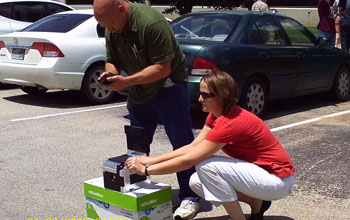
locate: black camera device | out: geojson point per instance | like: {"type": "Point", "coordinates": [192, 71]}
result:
{"type": "Point", "coordinates": [115, 177]}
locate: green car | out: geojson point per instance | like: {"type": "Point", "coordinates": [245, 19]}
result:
{"type": "Point", "coordinates": [271, 56]}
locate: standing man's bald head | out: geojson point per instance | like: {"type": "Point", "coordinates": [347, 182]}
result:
{"type": "Point", "coordinates": [112, 14]}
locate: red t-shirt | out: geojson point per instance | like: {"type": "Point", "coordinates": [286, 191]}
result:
{"type": "Point", "coordinates": [249, 139]}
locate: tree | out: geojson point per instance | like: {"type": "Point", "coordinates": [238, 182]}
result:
{"type": "Point", "coordinates": [185, 6]}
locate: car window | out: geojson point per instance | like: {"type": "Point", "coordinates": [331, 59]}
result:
{"type": "Point", "coordinates": [100, 31]}
{"type": "Point", "coordinates": [296, 33]}
{"type": "Point", "coordinates": [55, 8]}
{"type": "Point", "coordinates": [5, 10]}
{"type": "Point", "coordinates": [28, 11]}
{"type": "Point", "coordinates": [58, 23]}
{"type": "Point", "coordinates": [211, 27]}
{"type": "Point", "coordinates": [266, 32]}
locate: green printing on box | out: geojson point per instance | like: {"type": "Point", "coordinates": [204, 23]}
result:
{"type": "Point", "coordinates": [156, 196]}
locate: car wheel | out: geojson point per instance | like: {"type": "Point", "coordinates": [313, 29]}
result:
{"type": "Point", "coordinates": [341, 86]}
{"type": "Point", "coordinates": [254, 96]}
{"type": "Point", "coordinates": [91, 90]}
{"type": "Point", "coordinates": [32, 90]}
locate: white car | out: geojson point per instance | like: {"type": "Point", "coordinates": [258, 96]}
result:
{"type": "Point", "coordinates": [61, 51]}
{"type": "Point", "coordinates": [18, 14]}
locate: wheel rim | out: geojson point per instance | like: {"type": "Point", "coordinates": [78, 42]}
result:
{"type": "Point", "coordinates": [96, 89]}
{"type": "Point", "coordinates": [344, 84]}
{"type": "Point", "coordinates": [255, 99]}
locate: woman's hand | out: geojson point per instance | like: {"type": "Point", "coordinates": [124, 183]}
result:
{"type": "Point", "coordinates": [134, 164]}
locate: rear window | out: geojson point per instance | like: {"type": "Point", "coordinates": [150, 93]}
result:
{"type": "Point", "coordinates": [5, 10]}
{"type": "Point", "coordinates": [28, 11]}
{"type": "Point", "coordinates": [58, 23]}
{"type": "Point", "coordinates": [212, 27]}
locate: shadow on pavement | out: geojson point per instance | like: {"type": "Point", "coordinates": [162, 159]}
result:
{"type": "Point", "coordinates": [298, 104]}
{"type": "Point", "coordinates": [226, 217]}
{"type": "Point", "coordinates": [275, 109]}
{"type": "Point", "coordinates": [57, 99]}
{"type": "Point", "coordinates": [7, 86]}
{"type": "Point", "coordinates": [277, 218]}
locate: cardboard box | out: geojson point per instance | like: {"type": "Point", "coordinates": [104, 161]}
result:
{"type": "Point", "coordinates": [152, 202]}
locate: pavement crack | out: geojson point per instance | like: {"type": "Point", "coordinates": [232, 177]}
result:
{"type": "Point", "coordinates": [329, 158]}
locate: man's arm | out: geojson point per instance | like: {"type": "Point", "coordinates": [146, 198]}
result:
{"type": "Point", "coordinates": [109, 67]}
{"type": "Point", "coordinates": [149, 74]}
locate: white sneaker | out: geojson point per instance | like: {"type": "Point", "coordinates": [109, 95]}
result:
{"type": "Point", "coordinates": [187, 210]}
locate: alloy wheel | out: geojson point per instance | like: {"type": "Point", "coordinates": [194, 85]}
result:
{"type": "Point", "coordinates": [344, 84]}
{"type": "Point", "coordinates": [97, 90]}
{"type": "Point", "coordinates": [255, 99]}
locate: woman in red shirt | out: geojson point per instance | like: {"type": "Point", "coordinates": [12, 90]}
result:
{"type": "Point", "coordinates": [257, 168]}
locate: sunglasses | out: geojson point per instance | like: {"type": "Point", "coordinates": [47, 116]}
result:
{"type": "Point", "coordinates": [206, 95]}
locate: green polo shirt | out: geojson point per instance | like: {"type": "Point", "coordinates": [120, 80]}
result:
{"type": "Point", "coordinates": [148, 40]}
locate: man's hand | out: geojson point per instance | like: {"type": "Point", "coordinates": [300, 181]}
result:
{"type": "Point", "coordinates": [117, 82]}
{"type": "Point", "coordinates": [105, 75]}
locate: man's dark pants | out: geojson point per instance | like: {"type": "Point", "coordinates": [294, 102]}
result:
{"type": "Point", "coordinates": [171, 107]}
{"type": "Point", "coordinates": [345, 35]}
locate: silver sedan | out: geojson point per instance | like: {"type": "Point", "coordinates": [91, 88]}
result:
{"type": "Point", "coordinates": [61, 51]}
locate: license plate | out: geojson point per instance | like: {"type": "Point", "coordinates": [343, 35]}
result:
{"type": "Point", "coordinates": [17, 53]}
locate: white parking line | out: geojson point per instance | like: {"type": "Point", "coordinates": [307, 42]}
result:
{"type": "Point", "coordinates": [68, 113]}
{"type": "Point", "coordinates": [123, 105]}
{"type": "Point", "coordinates": [310, 120]}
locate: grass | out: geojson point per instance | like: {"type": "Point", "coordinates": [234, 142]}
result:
{"type": "Point", "coordinates": [313, 29]}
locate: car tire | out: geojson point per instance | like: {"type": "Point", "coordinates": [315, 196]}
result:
{"type": "Point", "coordinates": [341, 85]}
{"type": "Point", "coordinates": [254, 96]}
{"type": "Point", "coordinates": [91, 90]}
{"type": "Point", "coordinates": [32, 90]}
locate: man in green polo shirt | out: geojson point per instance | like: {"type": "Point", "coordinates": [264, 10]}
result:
{"type": "Point", "coordinates": [140, 42]}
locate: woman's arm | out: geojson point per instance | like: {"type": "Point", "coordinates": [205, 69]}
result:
{"type": "Point", "coordinates": [199, 150]}
{"type": "Point", "coordinates": [178, 152]}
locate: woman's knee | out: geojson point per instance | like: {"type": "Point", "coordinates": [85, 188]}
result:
{"type": "Point", "coordinates": [194, 182]}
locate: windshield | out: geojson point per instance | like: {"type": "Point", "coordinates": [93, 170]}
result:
{"type": "Point", "coordinates": [212, 27]}
{"type": "Point", "coordinates": [58, 23]}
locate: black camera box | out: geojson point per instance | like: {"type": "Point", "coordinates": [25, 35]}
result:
{"type": "Point", "coordinates": [114, 176]}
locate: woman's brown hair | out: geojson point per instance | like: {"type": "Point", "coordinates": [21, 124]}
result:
{"type": "Point", "coordinates": [224, 87]}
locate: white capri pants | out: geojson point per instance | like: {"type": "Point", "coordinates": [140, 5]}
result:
{"type": "Point", "coordinates": [218, 179]}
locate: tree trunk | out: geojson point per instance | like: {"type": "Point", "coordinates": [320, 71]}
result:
{"type": "Point", "coordinates": [148, 2]}
{"type": "Point", "coordinates": [184, 7]}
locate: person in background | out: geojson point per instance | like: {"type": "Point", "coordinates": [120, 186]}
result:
{"type": "Point", "coordinates": [256, 169]}
{"type": "Point", "coordinates": [260, 5]}
{"type": "Point", "coordinates": [335, 13]}
{"type": "Point", "coordinates": [140, 42]}
{"type": "Point", "coordinates": [326, 25]}
{"type": "Point", "coordinates": [344, 17]}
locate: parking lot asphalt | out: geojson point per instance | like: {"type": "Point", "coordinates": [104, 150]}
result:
{"type": "Point", "coordinates": [49, 145]}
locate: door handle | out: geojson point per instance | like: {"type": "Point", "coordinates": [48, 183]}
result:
{"type": "Point", "coordinates": [300, 55]}
{"type": "Point", "coordinates": [263, 55]}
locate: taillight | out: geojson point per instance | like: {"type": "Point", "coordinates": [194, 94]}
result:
{"type": "Point", "coordinates": [2, 44]}
{"type": "Point", "coordinates": [202, 66]}
{"type": "Point", "coordinates": [47, 49]}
